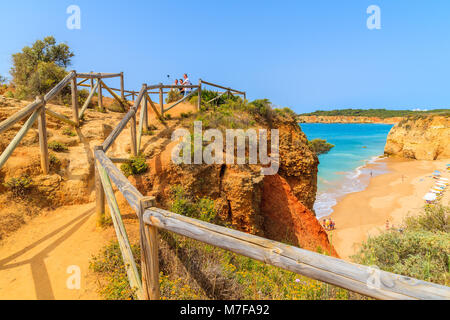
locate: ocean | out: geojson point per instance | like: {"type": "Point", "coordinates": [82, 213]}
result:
{"type": "Point", "coordinates": [342, 170]}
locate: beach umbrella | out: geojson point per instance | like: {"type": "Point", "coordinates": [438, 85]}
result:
{"type": "Point", "coordinates": [437, 173]}
{"type": "Point", "coordinates": [430, 197]}
{"type": "Point", "coordinates": [441, 184]}
{"type": "Point", "coordinates": [434, 191]}
{"type": "Point", "coordinates": [443, 179]}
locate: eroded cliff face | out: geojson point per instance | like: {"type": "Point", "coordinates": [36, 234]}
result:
{"type": "Point", "coordinates": [348, 119]}
{"type": "Point", "coordinates": [278, 207]}
{"type": "Point", "coordinates": [421, 138]}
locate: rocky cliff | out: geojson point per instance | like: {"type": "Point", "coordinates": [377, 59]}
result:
{"type": "Point", "coordinates": [347, 119]}
{"type": "Point", "coordinates": [278, 207]}
{"type": "Point", "coordinates": [421, 138]}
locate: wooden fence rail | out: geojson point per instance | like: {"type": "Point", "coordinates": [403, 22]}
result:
{"type": "Point", "coordinates": [366, 280]}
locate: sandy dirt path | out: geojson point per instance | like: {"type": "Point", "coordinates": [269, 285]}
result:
{"type": "Point", "coordinates": [34, 261]}
{"type": "Point", "coordinates": [389, 197]}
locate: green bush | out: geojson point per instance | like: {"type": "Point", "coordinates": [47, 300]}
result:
{"type": "Point", "coordinates": [110, 263]}
{"type": "Point", "coordinates": [19, 187]}
{"type": "Point", "coordinates": [54, 162]}
{"type": "Point", "coordinates": [69, 132]}
{"type": "Point", "coordinates": [38, 68]}
{"type": "Point", "coordinates": [320, 146]}
{"type": "Point", "coordinates": [182, 203]}
{"type": "Point", "coordinates": [421, 250]}
{"type": "Point", "coordinates": [174, 95]}
{"type": "Point", "coordinates": [135, 166]}
{"type": "Point", "coordinates": [58, 146]}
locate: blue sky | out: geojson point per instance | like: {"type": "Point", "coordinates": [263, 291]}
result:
{"type": "Point", "coordinates": [307, 55]}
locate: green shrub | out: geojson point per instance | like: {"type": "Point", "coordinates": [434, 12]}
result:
{"type": "Point", "coordinates": [202, 209]}
{"type": "Point", "coordinates": [421, 250]}
{"type": "Point", "coordinates": [320, 146]}
{"type": "Point", "coordinates": [69, 132]}
{"type": "Point", "coordinates": [58, 146]}
{"type": "Point", "coordinates": [19, 187]}
{"type": "Point", "coordinates": [135, 166]}
{"type": "Point", "coordinates": [174, 95]}
{"type": "Point", "coordinates": [38, 68]}
{"type": "Point", "coordinates": [110, 264]}
{"type": "Point", "coordinates": [54, 162]}
{"type": "Point", "coordinates": [116, 107]}
{"type": "Point", "coordinates": [184, 115]}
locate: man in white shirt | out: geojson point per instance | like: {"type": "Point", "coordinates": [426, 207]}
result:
{"type": "Point", "coordinates": [186, 82]}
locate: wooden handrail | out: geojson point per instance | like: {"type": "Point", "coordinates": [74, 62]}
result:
{"type": "Point", "coordinates": [23, 113]}
{"type": "Point", "coordinates": [222, 87]}
{"type": "Point", "coordinates": [182, 100]}
{"type": "Point", "coordinates": [98, 75]}
{"type": "Point", "coordinates": [18, 137]}
{"type": "Point", "coordinates": [131, 113]}
{"type": "Point", "coordinates": [56, 89]}
{"type": "Point", "coordinates": [313, 265]}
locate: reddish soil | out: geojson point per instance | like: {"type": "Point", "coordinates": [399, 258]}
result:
{"type": "Point", "coordinates": [286, 219]}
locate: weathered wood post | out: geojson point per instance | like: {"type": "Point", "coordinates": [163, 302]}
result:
{"type": "Point", "coordinates": [199, 104]}
{"type": "Point", "coordinates": [145, 110]}
{"type": "Point", "coordinates": [161, 99]}
{"type": "Point", "coordinates": [92, 82]}
{"type": "Point", "coordinates": [99, 192]}
{"type": "Point", "coordinates": [122, 87]}
{"type": "Point", "coordinates": [149, 253]}
{"type": "Point", "coordinates": [42, 127]}
{"type": "Point", "coordinates": [74, 88]}
{"type": "Point", "coordinates": [100, 96]}
{"type": "Point", "coordinates": [134, 150]}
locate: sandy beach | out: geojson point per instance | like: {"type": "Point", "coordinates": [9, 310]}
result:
{"type": "Point", "coordinates": [389, 197]}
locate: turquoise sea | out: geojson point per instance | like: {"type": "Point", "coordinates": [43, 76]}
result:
{"type": "Point", "coordinates": [342, 170]}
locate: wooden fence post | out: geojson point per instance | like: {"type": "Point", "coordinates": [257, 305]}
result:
{"type": "Point", "coordinates": [122, 87]}
{"type": "Point", "coordinates": [99, 192]}
{"type": "Point", "coordinates": [149, 253]}
{"type": "Point", "coordinates": [75, 101]}
{"type": "Point", "coordinates": [42, 127]}
{"type": "Point", "coordinates": [145, 110]}
{"type": "Point", "coordinates": [134, 150]}
{"type": "Point", "coordinates": [92, 82]}
{"type": "Point", "coordinates": [100, 96]}
{"type": "Point", "coordinates": [161, 99]}
{"type": "Point", "coordinates": [199, 104]}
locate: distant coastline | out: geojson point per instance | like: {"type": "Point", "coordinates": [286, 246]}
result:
{"type": "Point", "coordinates": [348, 119]}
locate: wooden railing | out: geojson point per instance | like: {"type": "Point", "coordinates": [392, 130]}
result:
{"type": "Point", "coordinates": [197, 90]}
{"type": "Point", "coordinates": [358, 278]}
{"type": "Point", "coordinates": [365, 280]}
{"type": "Point", "coordinates": [38, 109]}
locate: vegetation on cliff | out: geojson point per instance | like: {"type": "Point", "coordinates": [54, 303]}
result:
{"type": "Point", "coordinates": [378, 113]}
{"type": "Point", "coordinates": [320, 146]}
{"type": "Point", "coordinates": [422, 137]}
{"type": "Point", "coordinates": [421, 250]}
{"type": "Point", "coordinates": [191, 270]}
{"type": "Point", "coordinates": [38, 68]}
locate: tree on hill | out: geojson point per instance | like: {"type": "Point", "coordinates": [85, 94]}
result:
{"type": "Point", "coordinates": [320, 146]}
{"type": "Point", "coordinates": [38, 68]}
{"type": "Point", "coordinates": [3, 80]}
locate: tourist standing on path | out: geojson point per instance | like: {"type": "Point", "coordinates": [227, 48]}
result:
{"type": "Point", "coordinates": [186, 82]}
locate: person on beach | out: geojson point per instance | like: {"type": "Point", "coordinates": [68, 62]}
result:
{"type": "Point", "coordinates": [186, 82]}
